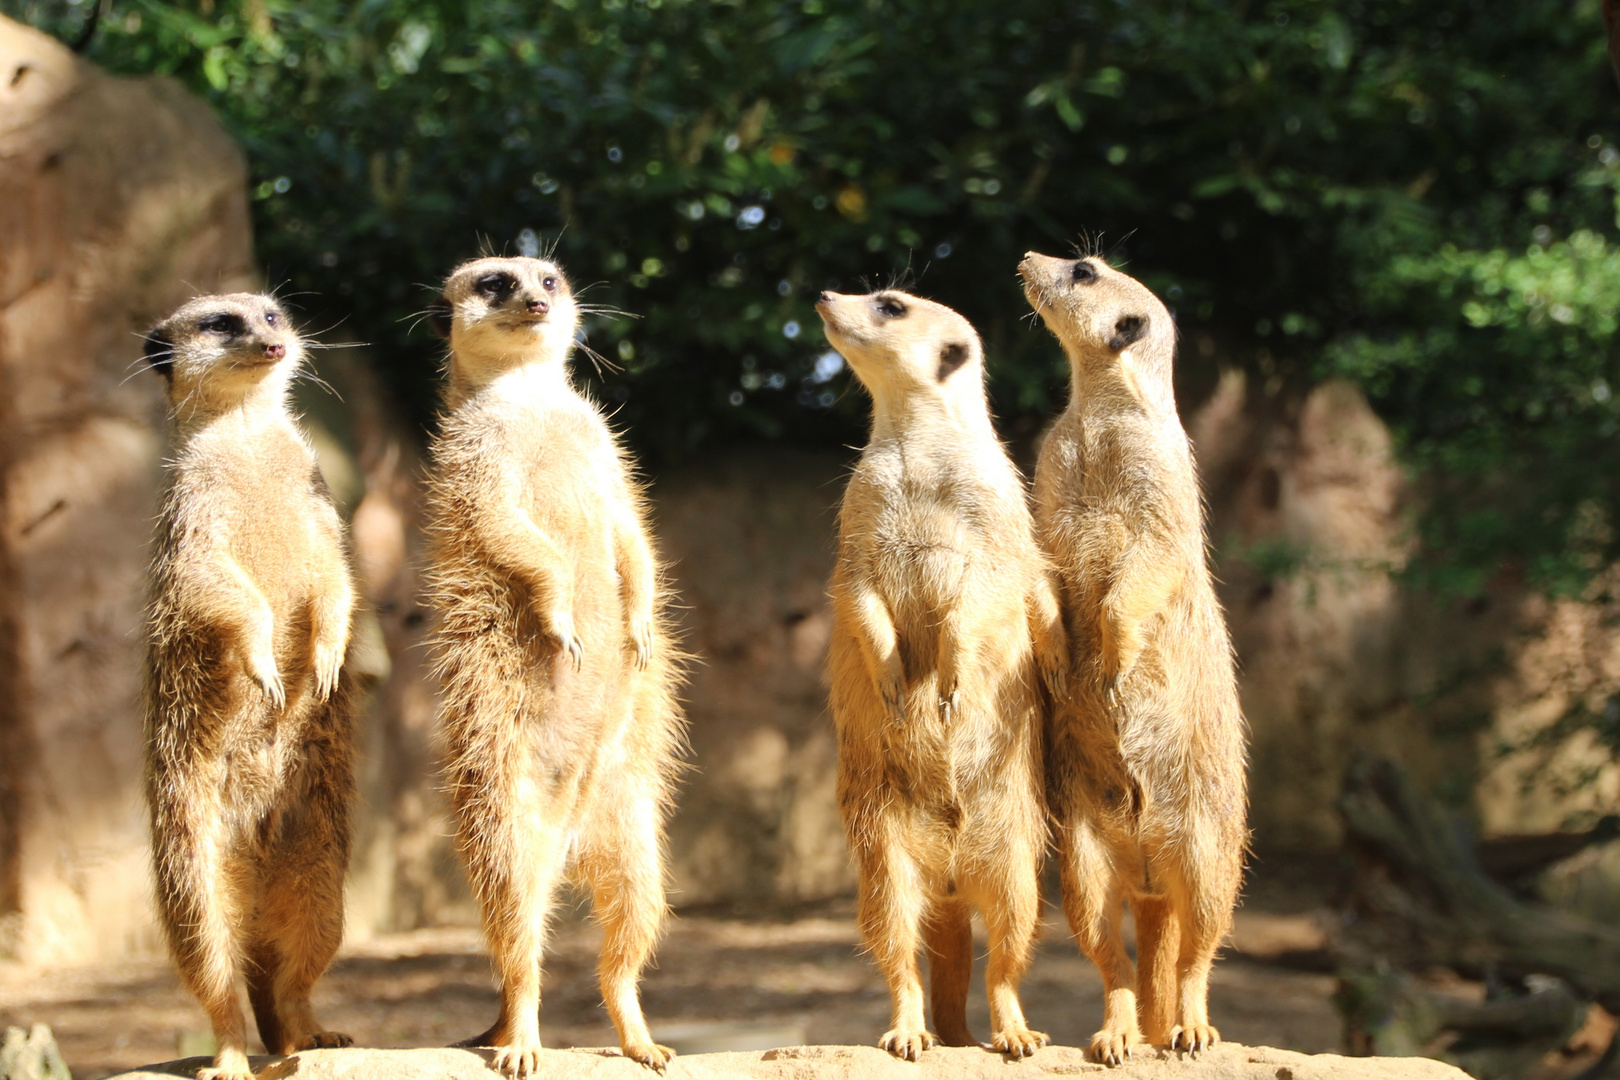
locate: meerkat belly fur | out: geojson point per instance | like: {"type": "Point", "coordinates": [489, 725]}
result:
{"type": "Point", "coordinates": [558, 671]}
{"type": "Point", "coordinates": [1146, 755]}
{"type": "Point", "coordinates": [945, 617]}
{"type": "Point", "coordinates": [249, 711]}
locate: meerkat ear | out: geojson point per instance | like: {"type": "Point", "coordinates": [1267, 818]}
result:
{"type": "Point", "coordinates": [158, 352]}
{"type": "Point", "coordinates": [439, 316]}
{"type": "Point", "coordinates": [951, 357]}
{"type": "Point", "coordinates": [1128, 331]}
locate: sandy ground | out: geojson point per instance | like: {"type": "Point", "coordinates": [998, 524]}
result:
{"type": "Point", "coordinates": [724, 981]}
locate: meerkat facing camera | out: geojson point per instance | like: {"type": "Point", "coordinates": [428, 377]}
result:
{"type": "Point", "coordinates": [249, 710]}
{"type": "Point", "coordinates": [945, 618]}
{"type": "Point", "coordinates": [554, 651]}
{"type": "Point", "coordinates": [1146, 755]}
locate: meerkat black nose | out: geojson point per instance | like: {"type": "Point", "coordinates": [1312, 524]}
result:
{"type": "Point", "coordinates": [825, 297]}
{"type": "Point", "coordinates": [538, 307]}
{"type": "Point", "coordinates": [275, 352]}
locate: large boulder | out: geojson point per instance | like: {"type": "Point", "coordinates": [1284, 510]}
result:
{"type": "Point", "coordinates": [1227, 1061]}
{"type": "Point", "coordinates": [119, 198]}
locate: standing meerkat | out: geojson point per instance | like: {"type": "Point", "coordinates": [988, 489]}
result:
{"type": "Point", "coordinates": [249, 709]}
{"type": "Point", "coordinates": [561, 728]}
{"type": "Point", "coordinates": [944, 620]}
{"type": "Point", "coordinates": [1146, 755]}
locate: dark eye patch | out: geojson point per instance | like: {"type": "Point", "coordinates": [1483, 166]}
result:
{"type": "Point", "coordinates": [224, 323]}
{"type": "Point", "coordinates": [550, 284]}
{"type": "Point", "coordinates": [890, 307]}
{"type": "Point", "coordinates": [951, 357]}
{"type": "Point", "coordinates": [1084, 273]}
{"type": "Point", "coordinates": [272, 318]}
{"type": "Point", "coordinates": [495, 286]}
{"type": "Point", "coordinates": [1127, 331]}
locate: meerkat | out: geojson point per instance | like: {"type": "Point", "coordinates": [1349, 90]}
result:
{"type": "Point", "coordinates": [945, 621]}
{"type": "Point", "coordinates": [249, 707]}
{"type": "Point", "coordinates": [1146, 771]}
{"type": "Point", "coordinates": [558, 668]}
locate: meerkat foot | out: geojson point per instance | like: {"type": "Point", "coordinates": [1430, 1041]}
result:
{"type": "Point", "coordinates": [650, 1054]}
{"type": "Point", "coordinates": [326, 1040]}
{"type": "Point", "coordinates": [1018, 1042]}
{"type": "Point", "coordinates": [228, 1065]}
{"type": "Point", "coordinates": [1194, 1037]}
{"type": "Point", "coordinates": [908, 1044]}
{"type": "Point", "coordinates": [1113, 1047]}
{"type": "Point", "coordinates": [520, 1059]}
{"type": "Point", "coordinates": [1055, 673]}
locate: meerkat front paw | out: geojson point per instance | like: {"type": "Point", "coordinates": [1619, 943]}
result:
{"type": "Point", "coordinates": [908, 1044]}
{"type": "Point", "coordinates": [1018, 1041]}
{"type": "Point", "coordinates": [261, 663]}
{"type": "Point", "coordinates": [641, 640]}
{"type": "Point", "coordinates": [950, 704]}
{"type": "Point", "coordinates": [328, 666]}
{"type": "Point", "coordinates": [650, 1054]}
{"type": "Point", "coordinates": [1053, 661]}
{"type": "Point", "coordinates": [1194, 1037]}
{"type": "Point", "coordinates": [893, 695]}
{"type": "Point", "coordinates": [561, 624]}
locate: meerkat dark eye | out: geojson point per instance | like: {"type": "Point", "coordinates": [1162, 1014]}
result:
{"type": "Point", "coordinates": [550, 283]}
{"type": "Point", "coordinates": [271, 317]}
{"type": "Point", "coordinates": [494, 286]}
{"type": "Point", "coordinates": [1084, 273]}
{"type": "Point", "coordinates": [891, 308]}
{"type": "Point", "coordinates": [228, 325]}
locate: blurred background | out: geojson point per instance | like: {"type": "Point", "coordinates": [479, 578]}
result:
{"type": "Point", "coordinates": [1386, 229]}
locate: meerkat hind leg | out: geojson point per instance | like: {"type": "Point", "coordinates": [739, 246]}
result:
{"type": "Point", "coordinates": [1202, 908]}
{"type": "Point", "coordinates": [198, 902]}
{"type": "Point", "coordinates": [890, 914]}
{"type": "Point", "coordinates": [1094, 906]}
{"type": "Point", "coordinates": [1009, 896]}
{"type": "Point", "coordinates": [1157, 948]}
{"type": "Point", "coordinates": [948, 932]}
{"type": "Point", "coordinates": [515, 870]}
{"type": "Point", "coordinates": [624, 866]}
{"type": "Point", "coordinates": [300, 912]}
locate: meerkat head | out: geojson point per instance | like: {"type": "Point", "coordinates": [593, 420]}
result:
{"type": "Point", "coordinates": [217, 351]}
{"type": "Point", "coordinates": [901, 346]}
{"type": "Point", "coordinates": [500, 314]}
{"type": "Point", "coordinates": [1099, 313]}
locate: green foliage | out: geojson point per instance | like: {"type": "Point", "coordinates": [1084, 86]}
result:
{"type": "Point", "coordinates": [1414, 193]}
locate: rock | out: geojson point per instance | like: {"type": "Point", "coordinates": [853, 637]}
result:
{"type": "Point", "coordinates": [31, 1055]}
{"type": "Point", "coordinates": [1228, 1061]}
{"type": "Point", "coordinates": [119, 198]}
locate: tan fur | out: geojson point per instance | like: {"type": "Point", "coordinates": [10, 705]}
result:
{"type": "Point", "coordinates": [1146, 755]}
{"type": "Point", "coordinates": [941, 602]}
{"type": "Point", "coordinates": [249, 710]}
{"type": "Point", "coordinates": [561, 729]}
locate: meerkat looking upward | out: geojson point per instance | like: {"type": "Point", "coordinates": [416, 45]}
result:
{"type": "Point", "coordinates": [944, 619]}
{"type": "Point", "coordinates": [558, 713]}
{"type": "Point", "coordinates": [1145, 757]}
{"type": "Point", "coordinates": [249, 711]}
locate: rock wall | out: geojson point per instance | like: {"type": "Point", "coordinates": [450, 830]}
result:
{"type": "Point", "coordinates": [117, 197]}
